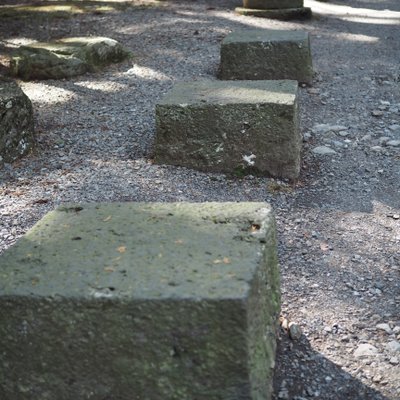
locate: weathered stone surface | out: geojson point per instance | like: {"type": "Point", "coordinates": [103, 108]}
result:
{"type": "Point", "coordinates": [66, 57]}
{"type": "Point", "coordinates": [281, 14]}
{"type": "Point", "coordinates": [272, 4]}
{"type": "Point", "coordinates": [155, 301]}
{"type": "Point", "coordinates": [233, 126]}
{"type": "Point", "coordinates": [266, 54]}
{"type": "Point", "coordinates": [16, 122]}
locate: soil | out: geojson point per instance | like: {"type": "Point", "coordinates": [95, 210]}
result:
{"type": "Point", "coordinates": [339, 224]}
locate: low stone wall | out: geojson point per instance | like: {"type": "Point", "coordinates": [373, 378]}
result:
{"type": "Point", "coordinates": [16, 122]}
{"type": "Point", "coordinates": [235, 127]}
{"type": "Point", "coordinates": [148, 301]}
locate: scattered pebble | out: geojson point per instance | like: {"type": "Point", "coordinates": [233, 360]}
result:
{"type": "Point", "coordinates": [365, 350]}
{"type": "Point", "coordinates": [323, 150]}
{"type": "Point", "coordinates": [393, 346]}
{"type": "Point", "coordinates": [384, 327]}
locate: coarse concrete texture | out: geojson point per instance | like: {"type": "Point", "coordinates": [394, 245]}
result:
{"type": "Point", "coordinates": [272, 4]}
{"type": "Point", "coordinates": [153, 301]}
{"type": "Point", "coordinates": [235, 127]}
{"type": "Point", "coordinates": [16, 122]}
{"type": "Point", "coordinates": [283, 14]}
{"type": "Point", "coordinates": [65, 58]}
{"type": "Point", "coordinates": [266, 54]}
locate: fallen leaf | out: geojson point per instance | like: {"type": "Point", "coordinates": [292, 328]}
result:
{"type": "Point", "coordinates": [121, 249]}
{"type": "Point", "coordinates": [225, 260]}
{"type": "Point", "coordinates": [41, 201]}
{"type": "Point", "coordinates": [107, 219]}
{"type": "Point", "coordinates": [255, 227]}
{"type": "Point", "coordinates": [324, 246]}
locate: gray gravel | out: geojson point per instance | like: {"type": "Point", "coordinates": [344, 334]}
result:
{"type": "Point", "coordinates": [339, 224]}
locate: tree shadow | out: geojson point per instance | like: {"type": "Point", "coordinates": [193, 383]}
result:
{"type": "Point", "coordinates": [315, 376]}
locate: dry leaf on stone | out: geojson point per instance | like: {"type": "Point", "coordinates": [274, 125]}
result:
{"type": "Point", "coordinates": [121, 249]}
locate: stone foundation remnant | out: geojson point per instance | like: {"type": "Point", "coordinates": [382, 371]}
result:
{"type": "Point", "coordinates": [275, 9]}
{"type": "Point", "coordinates": [266, 54]}
{"type": "Point", "coordinates": [65, 58]}
{"type": "Point", "coordinates": [149, 301]}
{"type": "Point", "coordinates": [235, 127]}
{"type": "Point", "coordinates": [16, 122]}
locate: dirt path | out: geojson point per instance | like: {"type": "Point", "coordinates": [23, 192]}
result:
{"type": "Point", "coordinates": [339, 228]}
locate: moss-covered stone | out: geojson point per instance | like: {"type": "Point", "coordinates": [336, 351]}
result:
{"type": "Point", "coordinates": [272, 4]}
{"type": "Point", "coordinates": [16, 122]}
{"type": "Point", "coordinates": [231, 127]}
{"type": "Point", "coordinates": [267, 54]}
{"type": "Point", "coordinates": [66, 57]}
{"type": "Point", "coordinates": [158, 301]}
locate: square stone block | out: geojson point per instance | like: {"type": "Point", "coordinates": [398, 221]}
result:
{"type": "Point", "coordinates": [272, 4]}
{"type": "Point", "coordinates": [284, 14]}
{"type": "Point", "coordinates": [266, 54]}
{"type": "Point", "coordinates": [235, 127]}
{"type": "Point", "coordinates": [141, 301]}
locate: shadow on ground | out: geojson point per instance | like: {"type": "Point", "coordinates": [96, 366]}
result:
{"type": "Point", "coordinates": [314, 375]}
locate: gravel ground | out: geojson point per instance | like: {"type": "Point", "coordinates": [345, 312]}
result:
{"type": "Point", "coordinates": [339, 224]}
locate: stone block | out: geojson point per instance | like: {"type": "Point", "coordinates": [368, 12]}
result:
{"type": "Point", "coordinates": [266, 54]}
{"type": "Point", "coordinates": [272, 4]}
{"type": "Point", "coordinates": [235, 127]}
{"type": "Point", "coordinates": [16, 122]}
{"type": "Point", "coordinates": [152, 301]}
{"type": "Point", "coordinates": [283, 14]}
{"type": "Point", "coordinates": [65, 58]}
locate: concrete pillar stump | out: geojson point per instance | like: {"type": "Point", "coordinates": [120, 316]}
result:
{"type": "Point", "coordinates": [141, 301]}
{"type": "Point", "coordinates": [260, 54]}
{"type": "Point", "coordinates": [235, 127]}
{"type": "Point", "coordinates": [275, 9]}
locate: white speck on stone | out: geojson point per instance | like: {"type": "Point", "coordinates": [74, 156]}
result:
{"type": "Point", "coordinates": [219, 148]}
{"type": "Point", "coordinates": [323, 150]}
{"type": "Point", "coordinates": [249, 159]}
{"type": "Point", "coordinates": [365, 350]}
{"type": "Point", "coordinates": [97, 294]}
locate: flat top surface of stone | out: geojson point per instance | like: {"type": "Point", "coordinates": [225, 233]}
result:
{"type": "Point", "coordinates": [232, 92]}
{"type": "Point", "coordinates": [264, 35]}
{"type": "Point", "coordinates": [138, 250]}
{"type": "Point", "coordinates": [68, 45]}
